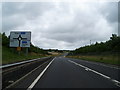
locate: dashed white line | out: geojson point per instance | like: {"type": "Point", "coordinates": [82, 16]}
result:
{"type": "Point", "coordinates": [41, 74]}
{"type": "Point", "coordinates": [105, 76]}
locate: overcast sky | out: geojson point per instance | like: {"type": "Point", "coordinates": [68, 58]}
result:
{"type": "Point", "coordinates": [62, 25]}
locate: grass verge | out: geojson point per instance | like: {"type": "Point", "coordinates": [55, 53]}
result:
{"type": "Point", "coordinates": [8, 56]}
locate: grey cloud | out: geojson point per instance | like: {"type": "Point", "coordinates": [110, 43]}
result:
{"type": "Point", "coordinates": [118, 28]}
{"type": "Point", "coordinates": [11, 23]}
{"type": "Point", "coordinates": [119, 18]}
{"type": "Point", "coordinates": [80, 27]}
{"type": "Point", "coordinates": [110, 11]}
{"type": "Point", "coordinates": [0, 17]}
{"type": "Point", "coordinates": [17, 13]}
{"type": "Point", "coordinates": [62, 25]}
{"type": "Point", "coordinates": [31, 9]}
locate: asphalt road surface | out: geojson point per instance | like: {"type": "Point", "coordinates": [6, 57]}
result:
{"type": "Point", "coordinates": [64, 72]}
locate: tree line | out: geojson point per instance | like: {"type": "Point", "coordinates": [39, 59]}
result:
{"type": "Point", "coordinates": [112, 45]}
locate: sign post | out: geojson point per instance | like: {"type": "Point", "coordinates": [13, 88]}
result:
{"type": "Point", "coordinates": [19, 49]}
{"type": "Point", "coordinates": [26, 51]}
{"type": "Point", "coordinates": [20, 39]}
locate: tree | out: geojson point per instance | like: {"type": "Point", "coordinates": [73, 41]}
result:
{"type": "Point", "coordinates": [114, 36]}
{"type": "Point", "coordinates": [5, 40]}
{"type": "Point", "coordinates": [111, 45]}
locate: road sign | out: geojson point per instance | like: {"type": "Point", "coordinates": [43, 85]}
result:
{"type": "Point", "coordinates": [20, 38]}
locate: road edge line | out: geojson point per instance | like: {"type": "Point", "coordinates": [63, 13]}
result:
{"type": "Point", "coordinates": [100, 63]}
{"type": "Point", "coordinates": [96, 72]}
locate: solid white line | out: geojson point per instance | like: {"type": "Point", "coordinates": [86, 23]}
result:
{"type": "Point", "coordinates": [100, 74]}
{"type": "Point", "coordinates": [36, 80]}
{"type": "Point", "coordinates": [116, 81]}
{"type": "Point", "coordinates": [88, 69]}
{"type": "Point", "coordinates": [18, 63]}
{"type": "Point", "coordinates": [109, 66]}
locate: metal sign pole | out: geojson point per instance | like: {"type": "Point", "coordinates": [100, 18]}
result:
{"type": "Point", "coordinates": [26, 51]}
{"type": "Point", "coordinates": [19, 53]}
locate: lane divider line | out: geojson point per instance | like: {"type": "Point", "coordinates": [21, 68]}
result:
{"type": "Point", "coordinates": [41, 74]}
{"type": "Point", "coordinates": [88, 69]}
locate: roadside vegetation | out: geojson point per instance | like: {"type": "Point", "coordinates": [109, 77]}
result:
{"type": "Point", "coordinates": [11, 55]}
{"type": "Point", "coordinates": [105, 52]}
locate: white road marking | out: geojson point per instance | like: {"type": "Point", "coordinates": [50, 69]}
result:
{"type": "Point", "coordinates": [88, 69]}
{"type": "Point", "coordinates": [41, 74]}
{"type": "Point", "coordinates": [25, 76]}
{"type": "Point", "coordinates": [114, 67]}
{"type": "Point", "coordinates": [109, 66]}
{"type": "Point", "coordinates": [18, 63]}
{"type": "Point", "coordinates": [117, 84]}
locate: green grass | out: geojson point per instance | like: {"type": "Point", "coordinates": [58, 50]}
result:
{"type": "Point", "coordinates": [107, 59]}
{"type": "Point", "coordinates": [9, 56]}
{"type": "Point", "coordinates": [0, 54]}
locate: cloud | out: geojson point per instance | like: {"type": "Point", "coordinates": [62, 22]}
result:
{"type": "Point", "coordinates": [16, 14]}
{"type": "Point", "coordinates": [110, 11]}
{"type": "Point", "coordinates": [0, 16]}
{"type": "Point", "coordinates": [119, 18]}
{"type": "Point", "coordinates": [62, 25]}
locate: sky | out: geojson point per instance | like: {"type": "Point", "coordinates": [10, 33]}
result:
{"type": "Point", "coordinates": [62, 25]}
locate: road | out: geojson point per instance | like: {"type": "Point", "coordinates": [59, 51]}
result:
{"type": "Point", "coordinates": [72, 73]}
